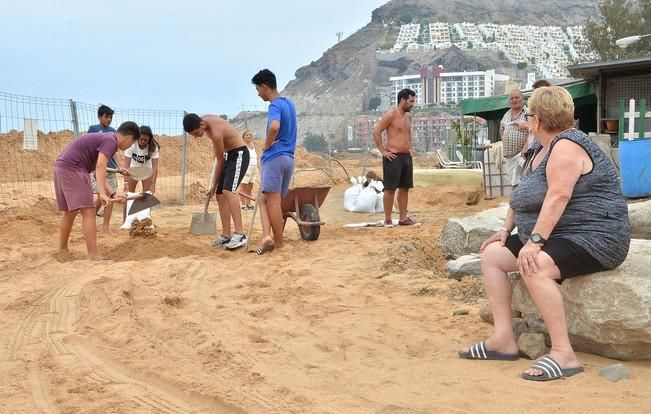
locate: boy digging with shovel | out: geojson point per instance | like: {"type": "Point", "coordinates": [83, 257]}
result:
{"type": "Point", "coordinates": [232, 160]}
{"type": "Point", "coordinates": [72, 183]}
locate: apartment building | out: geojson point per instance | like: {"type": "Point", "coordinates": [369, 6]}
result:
{"type": "Point", "coordinates": [439, 35]}
{"type": "Point", "coordinates": [435, 86]}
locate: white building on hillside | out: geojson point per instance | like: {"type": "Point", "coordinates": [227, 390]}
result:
{"type": "Point", "coordinates": [409, 33]}
{"type": "Point", "coordinates": [439, 35]}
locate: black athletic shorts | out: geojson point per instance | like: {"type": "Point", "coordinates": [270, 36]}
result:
{"type": "Point", "coordinates": [572, 259]}
{"type": "Point", "coordinates": [399, 172]}
{"type": "Point", "coordinates": [236, 161]}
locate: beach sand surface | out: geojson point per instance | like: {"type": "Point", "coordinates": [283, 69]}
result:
{"type": "Point", "coordinates": [359, 321]}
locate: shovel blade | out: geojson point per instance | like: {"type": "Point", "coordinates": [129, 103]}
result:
{"type": "Point", "coordinates": [203, 223]}
{"type": "Point", "coordinates": [139, 204]}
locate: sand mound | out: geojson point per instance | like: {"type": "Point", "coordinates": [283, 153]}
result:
{"type": "Point", "coordinates": [196, 192]}
{"type": "Point", "coordinates": [403, 254]}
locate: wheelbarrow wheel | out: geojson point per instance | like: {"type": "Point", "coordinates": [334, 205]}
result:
{"type": "Point", "coordinates": [309, 213]}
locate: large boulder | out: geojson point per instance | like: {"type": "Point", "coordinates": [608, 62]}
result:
{"type": "Point", "coordinates": [608, 313]}
{"type": "Point", "coordinates": [639, 214]}
{"type": "Point", "coordinates": [463, 236]}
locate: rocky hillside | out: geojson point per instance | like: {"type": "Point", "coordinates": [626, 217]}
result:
{"type": "Point", "coordinates": [330, 91]}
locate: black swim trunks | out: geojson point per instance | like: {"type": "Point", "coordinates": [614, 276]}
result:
{"type": "Point", "coordinates": [399, 172]}
{"type": "Point", "coordinates": [236, 162]}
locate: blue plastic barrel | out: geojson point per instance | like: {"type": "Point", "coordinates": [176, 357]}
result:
{"type": "Point", "coordinates": [635, 167]}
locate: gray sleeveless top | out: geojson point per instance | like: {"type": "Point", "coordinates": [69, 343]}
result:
{"type": "Point", "coordinates": [596, 216]}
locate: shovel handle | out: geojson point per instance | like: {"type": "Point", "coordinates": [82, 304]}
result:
{"type": "Point", "coordinates": [131, 197]}
{"type": "Point", "coordinates": [212, 182]}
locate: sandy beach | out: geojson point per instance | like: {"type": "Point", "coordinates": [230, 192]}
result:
{"type": "Point", "coordinates": [360, 321]}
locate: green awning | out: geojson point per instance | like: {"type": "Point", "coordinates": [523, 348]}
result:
{"type": "Point", "coordinates": [494, 107]}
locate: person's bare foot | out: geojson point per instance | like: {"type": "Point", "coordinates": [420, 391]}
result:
{"type": "Point", "coordinates": [106, 230]}
{"type": "Point", "coordinates": [266, 245]}
{"type": "Point", "coordinates": [96, 257]}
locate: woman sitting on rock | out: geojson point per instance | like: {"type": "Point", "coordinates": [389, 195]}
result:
{"type": "Point", "coordinates": [572, 220]}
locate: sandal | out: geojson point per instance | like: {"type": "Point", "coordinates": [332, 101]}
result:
{"type": "Point", "coordinates": [551, 370]}
{"type": "Point", "coordinates": [265, 248]}
{"type": "Point", "coordinates": [478, 351]}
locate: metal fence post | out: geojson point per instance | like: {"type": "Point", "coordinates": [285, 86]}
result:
{"type": "Point", "coordinates": [74, 117]}
{"type": "Point", "coordinates": [368, 148]}
{"type": "Point", "coordinates": [184, 154]}
{"type": "Point", "coordinates": [328, 140]}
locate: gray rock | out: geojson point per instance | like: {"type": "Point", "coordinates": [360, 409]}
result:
{"type": "Point", "coordinates": [469, 265]}
{"type": "Point", "coordinates": [487, 316]}
{"type": "Point", "coordinates": [608, 313]}
{"type": "Point", "coordinates": [485, 311]}
{"type": "Point", "coordinates": [460, 312]}
{"type": "Point", "coordinates": [532, 345]}
{"type": "Point", "coordinates": [615, 373]}
{"type": "Point", "coordinates": [519, 327]}
{"type": "Point", "coordinates": [639, 215]}
{"type": "Point", "coordinates": [464, 236]}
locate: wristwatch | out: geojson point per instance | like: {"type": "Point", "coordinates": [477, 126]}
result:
{"type": "Point", "coordinates": [538, 239]}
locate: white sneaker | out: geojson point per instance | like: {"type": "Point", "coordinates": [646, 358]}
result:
{"type": "Point", "coordinates": [222, 241]}
{"type": "Point", "coordinates": [237, 240]}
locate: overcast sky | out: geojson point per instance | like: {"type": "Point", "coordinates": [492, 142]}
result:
{"type": "Point", "coordinates": [194, 55]}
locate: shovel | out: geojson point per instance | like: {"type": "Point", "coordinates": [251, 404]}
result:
{"type": "Point", "coordinates": [204, 222]}
{"type": "Point", "coordinates": [137, 173]}
{"type": "Point", "coordinates": [140, 202]}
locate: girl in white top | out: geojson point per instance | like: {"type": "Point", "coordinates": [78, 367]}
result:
{"type": "Point", "coordinates": [246, 187]}
{"type": "Point", "coordinates": [143, 153]}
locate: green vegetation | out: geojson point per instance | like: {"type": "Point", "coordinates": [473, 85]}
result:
{"type": "Point", "coordinates": [521, 65]}
{"type": "Point", "coordinates": [620, 18]}
{"type": "Point", "coordinates": [374, 103]}
{"type": "Point", "coordinates": [315, 143]}
{"type": "Point", "coordinates": [405, 18]}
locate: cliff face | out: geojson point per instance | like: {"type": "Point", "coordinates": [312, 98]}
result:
{"type": "Point", "coordinates": [541, 12]}
{"type": "Point", "coordinates": [339, 84]}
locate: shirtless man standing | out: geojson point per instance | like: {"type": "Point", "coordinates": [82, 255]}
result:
{"type": "Point", "coordinates": [396, 156]}
{"type": "Point", "coordinates": [232, 158]}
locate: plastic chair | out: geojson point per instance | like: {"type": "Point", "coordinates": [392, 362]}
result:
{"type": "Point", "coordinates": [472, 164]}
{"type": "Point", "coordinates": [445, 162]}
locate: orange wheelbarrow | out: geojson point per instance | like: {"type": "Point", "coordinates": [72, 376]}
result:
{"type": "Point", "coordinates": [301, 204]}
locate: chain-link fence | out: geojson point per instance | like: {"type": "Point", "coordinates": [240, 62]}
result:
{"type": "Point", "coordinates": [34, 131]}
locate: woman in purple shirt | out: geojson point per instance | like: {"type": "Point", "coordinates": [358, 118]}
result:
{"type": "Point", "coordinates": [72, 183]}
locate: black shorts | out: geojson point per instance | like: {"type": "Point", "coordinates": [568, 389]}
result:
{"type": "Point", "coordinates": [572, 259]}
{"type": "Point", "coordinates": [398, 173]}
{"type": "Point", "coordinates": [236, 161]}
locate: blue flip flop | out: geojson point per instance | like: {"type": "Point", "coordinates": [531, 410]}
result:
{"type": "Point", "coordinates": [478, 351]}
{"type": "Point", "coordinates": [551, 370]}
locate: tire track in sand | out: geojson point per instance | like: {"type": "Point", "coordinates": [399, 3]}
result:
{"type": "Point", "coordinates": [49, 325]}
